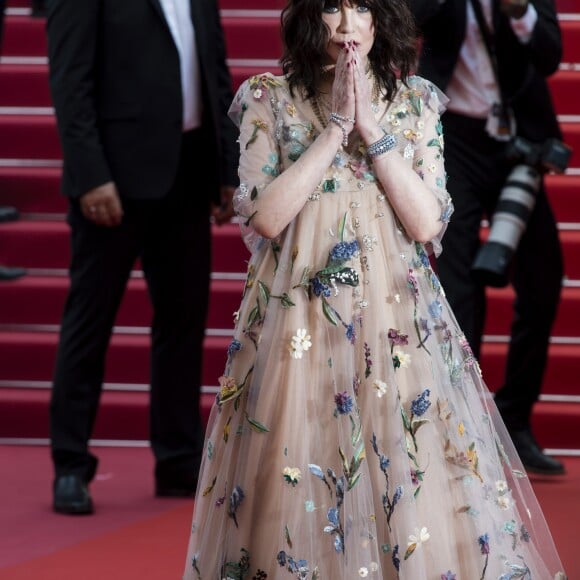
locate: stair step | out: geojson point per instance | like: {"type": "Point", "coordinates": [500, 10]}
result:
{"type": "Point", "coordinates": [29, 356]}
{"type": "Point", "coordinates": [121, 416]}
{"type": "Point", "coordinates": [26, 85]}
{"type": "Point", "coordinates": [33, 189]}
{"type": "Point", "coordinates": [45, 245]}
{"type": "Point", "coordinates": [125, 416]}
{"type": "Point", "coordinates": [564, 87]}
{"type": "Point", "coordinates": [29, 137]}
{"type": "Point", "coordinates": [36, 137]}
{"type": "Point", "coordinates": [38, 300]}
{"type": "Point", "coordinates": [253, 37]}
{"type": "Point", "coordinates": [37, 190]}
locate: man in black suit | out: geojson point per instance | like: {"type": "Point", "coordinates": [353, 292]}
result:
{"type": "Point", "coordinates": [527, 43]}
{"type": "Point", "coordinates": [141, 90]}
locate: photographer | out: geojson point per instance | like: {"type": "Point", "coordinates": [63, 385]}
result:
{"type": "Point", "coordinates": [491, 57]}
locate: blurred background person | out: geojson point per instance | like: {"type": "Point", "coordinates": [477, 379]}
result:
{"type": "Point", "coordinates": [141, 92]}
{"type": "Point", "coordinates": [491, 58]}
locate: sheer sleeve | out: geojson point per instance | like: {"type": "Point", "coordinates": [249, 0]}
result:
{"type": "Point", "coordinates": [254, 110]}
{"type": "Point", "coordinates": [428, 158]}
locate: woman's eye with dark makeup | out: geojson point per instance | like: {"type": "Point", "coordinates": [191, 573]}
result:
{"type": "Point", "coordinates": [330, 6]}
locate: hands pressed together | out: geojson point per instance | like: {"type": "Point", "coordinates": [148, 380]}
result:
{"type": "Point", "coordinates": [352, 95]}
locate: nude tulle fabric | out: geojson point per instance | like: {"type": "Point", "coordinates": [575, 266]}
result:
{"type": "Point", "coordinates": [353, 435]}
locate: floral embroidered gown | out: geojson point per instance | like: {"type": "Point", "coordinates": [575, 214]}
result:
{"type": "Point", "coordinates": [353, 436]}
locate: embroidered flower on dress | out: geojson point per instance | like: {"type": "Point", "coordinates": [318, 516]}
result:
{"type": "Point", "coordinates": [483, 542]}
{"type": "Point", "coordinates": [292, 475]}
{"type": "Point", "coordinates": [420, 405]}
{"type": "Point", "coordinates": [234, 347]}
{"type": "Point", "coordinates": [501, 486]}
{"type": "Point", "coordinates": [381, 387]}
{"type": "Point", "coordinates": [401, 359]}
{"type": "Point", "coordinates": [344, 403]}
{"type": "Point", "coordinates": [503, 502]}
{"type": "Point", "coordinates": [363, 572]}
{"type": "Point", "coordinates": [368, 360]}
{"type": "Point", "coordinates": [344, 251]}
{"type": "Point", "coordinates": [420, 536]}
{"type": "Point", "coordinates": [300, 343]}
{"type": "Point", "coordinates": [228, 388]}
{"type": "Point", "coordinates": [448, 576]}
{"type": "Point", "coordinates": [415, 540]}
{"type": "Point", "coordinates": [395, 337]}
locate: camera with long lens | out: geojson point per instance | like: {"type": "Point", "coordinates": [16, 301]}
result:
{"type": "Point", "coordinates": [515, 204]}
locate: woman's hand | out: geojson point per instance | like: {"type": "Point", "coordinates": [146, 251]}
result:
{"type": "Point", "coordinates": [366, 123]}
{"type": "Point", "coordinates": [343, 95]}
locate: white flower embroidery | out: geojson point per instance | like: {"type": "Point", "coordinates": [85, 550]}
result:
{"type": "Point", "coordinates": [503, 501]}
{"type": "Point", "coordinates": [419, 537]}
{"type": "Point", "coordinates": [381, 387]}
{"type": "Point", "coordinates": [501, 486]}
{"type": "Point", "coordinates": [404, 357]}
{"type": "Point", "coordinates": [300, 343]}
{"type": "Point", "coordinates": [363, 572]}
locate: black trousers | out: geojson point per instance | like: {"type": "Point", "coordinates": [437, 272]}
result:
{"type": "Point", "coordinates": [172, 237]}
{"type": "Point", "coordinates": [476, 171]}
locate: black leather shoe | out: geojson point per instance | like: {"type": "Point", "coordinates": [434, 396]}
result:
{"type": "Point", "coordinates": [533, 458]}
{"type": "Point", "coordinates": [71, 496]}
{"type": "Point", "coordinates": [8, 213]}
{"type": "Point", "coordinates": [176, 477]}
{"type": "Point", "coordinates": [183, 486]}
{"type": "Point", "coordinates": [7, 273]}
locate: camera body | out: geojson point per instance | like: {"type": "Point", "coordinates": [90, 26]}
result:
{"type": "Point", "coordinates": [515, 204]}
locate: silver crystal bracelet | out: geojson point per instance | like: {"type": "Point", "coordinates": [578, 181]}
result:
{"type": "Point", "coordinates": [340, 121]}
{"type": "Point", "coordinates": [384, 144]}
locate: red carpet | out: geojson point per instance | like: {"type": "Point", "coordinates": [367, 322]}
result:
{"type": "Point", "coordinates": [133, 536]}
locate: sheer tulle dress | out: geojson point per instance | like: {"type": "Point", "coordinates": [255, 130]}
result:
{"type": "Point", "coordinates": [353, 435]}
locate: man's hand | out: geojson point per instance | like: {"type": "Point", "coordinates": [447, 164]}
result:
{"type": "Point", "coordinates": [225, 211]}
{"type": "Point", "coordinates": [102, 205]}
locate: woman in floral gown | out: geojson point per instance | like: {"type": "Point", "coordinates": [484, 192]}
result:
{"type": "Point", "coordinates": [353, 435]}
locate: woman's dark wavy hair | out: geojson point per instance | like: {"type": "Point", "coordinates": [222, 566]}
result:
{"type": "Point", "coordinates": [305, 37]}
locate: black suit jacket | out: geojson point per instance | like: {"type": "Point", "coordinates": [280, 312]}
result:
{"type": "Point", "coordinates": [522, 68]}
{"type": "Point", "coordinates": [115, 83]}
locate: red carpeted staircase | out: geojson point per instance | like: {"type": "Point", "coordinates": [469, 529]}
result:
{"type": "Point", "coordinates": [30, 307]}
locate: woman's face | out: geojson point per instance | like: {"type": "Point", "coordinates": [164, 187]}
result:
{"type": "Point", "coordinates": [348, 20]}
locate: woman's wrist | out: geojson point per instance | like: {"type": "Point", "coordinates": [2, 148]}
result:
{"type": "Point", "coordinates": [345, 124]}
{"type": "Point", "coordinates": [387, 142]}
{"type": "Point", "coordinates": [336, 130]}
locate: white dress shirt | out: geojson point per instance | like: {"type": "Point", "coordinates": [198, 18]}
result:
{"type": "Point", "coordinates": [473, 88]}
{"type": "Point", "coordinates": [178, 16]}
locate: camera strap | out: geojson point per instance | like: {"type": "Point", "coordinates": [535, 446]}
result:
{"type": "Point", "coordinates": [501, 109]}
